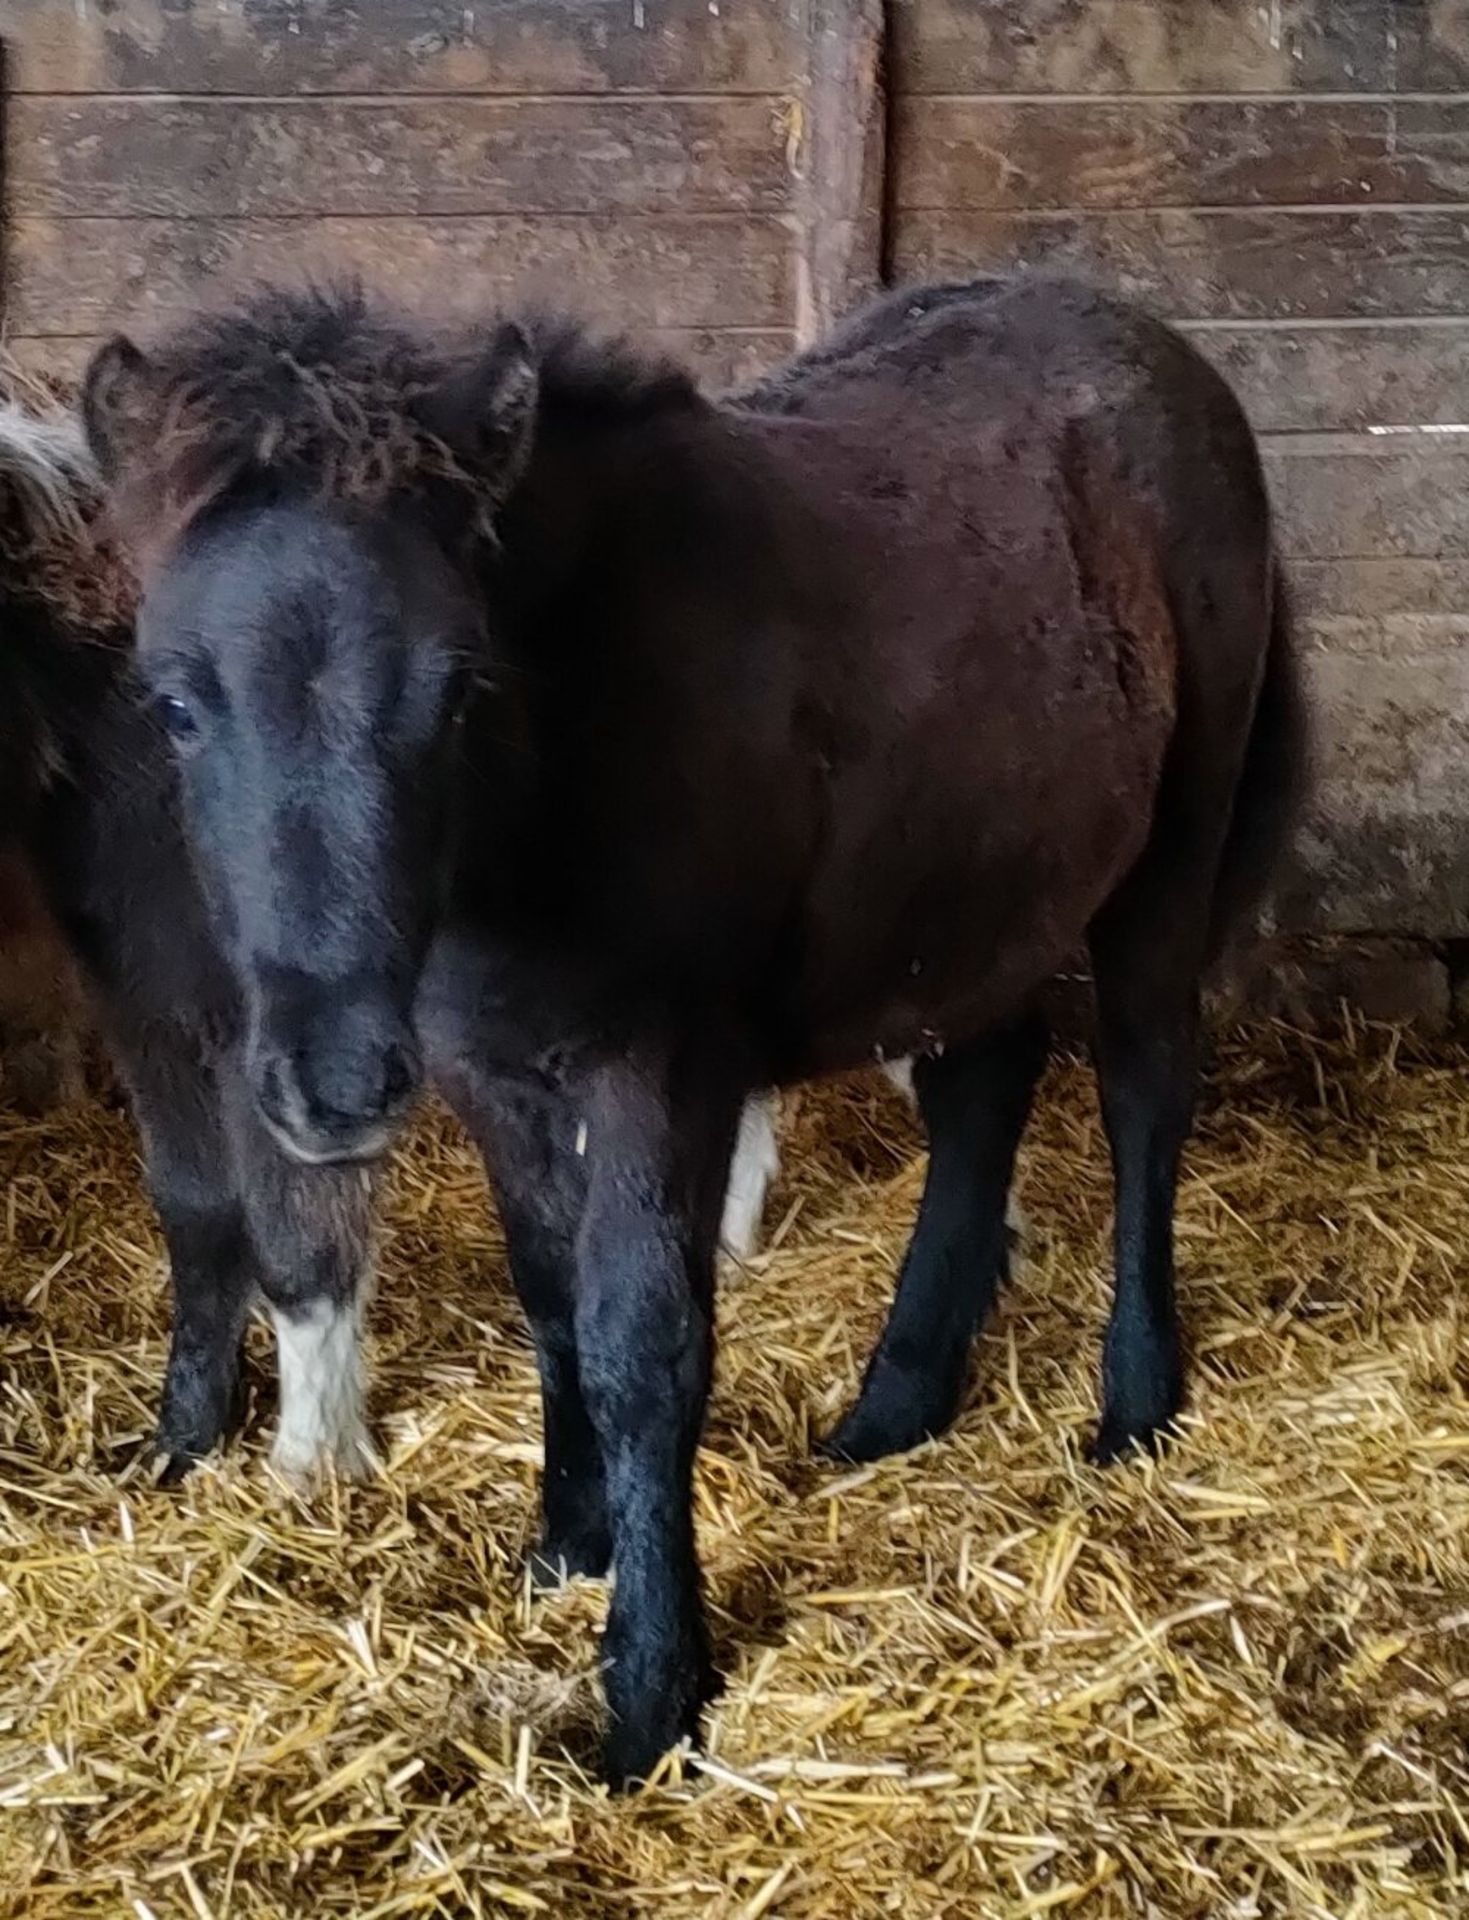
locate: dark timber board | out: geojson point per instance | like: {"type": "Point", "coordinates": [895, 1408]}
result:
{"type": "Point", "coordinates": [1179, 46]}
{"type": "Point", "coordinates": [1266, 263]}
{"type": "Point", "coordinates": [997, 155]}
{"type": "Point", "coordinates": [211, 158]}
{"type": "Point", "coordinates": [1325, 377]}
{"type": "Point", "coordinates": [1348, 497]}
{"type": "Point", "coordinates": [404, 46]}
{"type": "Point", "coordinates": [86, 276]}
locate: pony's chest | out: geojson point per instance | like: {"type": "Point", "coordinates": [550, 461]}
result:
{"type": "Point", "coordinates": [516, 1011]}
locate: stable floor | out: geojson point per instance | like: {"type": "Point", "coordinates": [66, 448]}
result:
{"type": "Point", "coordinates": [984, 1680]}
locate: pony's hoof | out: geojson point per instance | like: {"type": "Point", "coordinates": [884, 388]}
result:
{"type": "Point", "coordinates": [642, 1731]}
{"type": "Point", "coordinates": [657, 1682]}
{"type": "Point", "coordinates": [179, 1449]}
{"type": "Point", "coordinates": [554, 1562]}
{"type": "Point", "coordinates": [1121, 1440]}
{"type": "Point", "coordinates": [348, 1455]}
{"type": "Point", "coordinates": [630, 1755]}
{"type": "Point", "coordinates": [200, 1412]}
{"type": "Point", "coordinates": [1142, 1394]}
{"type": "Point", "coordinates": [858, 1440]}
{"type": "Point", "coordinates": [895, 1412]}
{"type": "Point", "coordinates": [171, 1468]}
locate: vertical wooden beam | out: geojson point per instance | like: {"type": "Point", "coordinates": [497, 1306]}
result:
{"type": "Point", "coordinates": [5, 78]}
{"type": "Point", "coordinates": [844, 182]}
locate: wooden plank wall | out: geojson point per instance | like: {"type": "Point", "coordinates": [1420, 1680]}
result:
{"type": "Point", "coordinates": [643, 156]}
{"type": "Point", "coordinates": [1291, 181]}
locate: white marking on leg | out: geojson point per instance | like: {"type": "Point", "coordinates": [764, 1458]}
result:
{"type": "Point", "coordinates": [321, 1423]}
{"type": "Point", "coordinates": [900, 1072]}
{"type": "Point", "coordinates": [755, 1164]}
{"type": "Point", "coordinates": [1017, 1225]}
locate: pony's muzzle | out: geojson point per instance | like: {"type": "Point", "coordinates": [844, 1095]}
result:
{"type": "Point", "coordinates": [323, 1107]}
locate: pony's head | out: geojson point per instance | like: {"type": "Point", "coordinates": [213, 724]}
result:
{"type": "Point", "coordinates": [311, 487]}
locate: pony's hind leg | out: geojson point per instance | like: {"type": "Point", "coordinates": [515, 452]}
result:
{"type": "Point", "coordinates": [755, 1164]}
{"type": "Point", "coordinates": [1147, 956]}
{"type": "Point", "coordinates": [175, 1101]}
{"type": "Point", "coordinates": [311, 1230]}
{"type": "Point", "coordinates": [974, 1100]}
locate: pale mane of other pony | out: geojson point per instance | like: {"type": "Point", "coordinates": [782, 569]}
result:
{"type": "Point", "coordinates": [53, 549]}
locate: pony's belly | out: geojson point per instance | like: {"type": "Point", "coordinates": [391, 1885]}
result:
{"type": "Point", "coordinates": [941, 962]}
{"type": "Point", "coordinates": [905, 1021]}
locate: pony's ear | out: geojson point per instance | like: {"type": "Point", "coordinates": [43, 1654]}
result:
{"type": "Point", "coordinates": [119, 404]}
{"type": "Point", "coordinates": [485, 410]}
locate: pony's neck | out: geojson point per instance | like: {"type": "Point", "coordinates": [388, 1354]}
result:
{"type": "Point", "coordinates": [615, 519]}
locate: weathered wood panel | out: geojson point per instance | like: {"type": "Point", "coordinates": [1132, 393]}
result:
{"type": "Point", "coordinates": [192, 158]}
{"type": "Point", "coordinates": [1324, 378]}
{"type": "Point", "coordinates": [1180, 46]}
{"type": "Point", "coordinates": [86, 276]}
{"type": "Point", "coordinates": [724, 356]}
{"type": "Point", "coordinates": [1228, 264]}
{"type": "Point", "coordinates": [721, 356]}
{"type": "Point", "coordinates": [1384, 845]}
{"type": "Point", "coordinates": [843, 180]}
{"type": "Point", "coordinates": [403, 46]}
{"type": "Point", "coordinates": [1344, 496]}
{"type": "Point", "coordinates": [992, 154]}
{"type": "Point", "coordinates": [1371, 589]}
{"type": "Point", "coordinates": [1384, 651]}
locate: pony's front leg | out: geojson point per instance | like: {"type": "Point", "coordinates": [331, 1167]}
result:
{"type": "Point", "coordinates": [311, 1229]}
{"type": "Point", "coordinates": [530, 1138]}
{"type": "Point", "coordinates": [658, 1140]}
{"type": "Point", "coordinates": [175, 1100]}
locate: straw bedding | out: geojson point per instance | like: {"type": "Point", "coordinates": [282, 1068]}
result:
{"type": "Point", "coordinates": [985, 1680]}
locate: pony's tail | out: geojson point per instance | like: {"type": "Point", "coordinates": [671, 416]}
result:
{"type": "Point", "coordinates": [1272, 784]}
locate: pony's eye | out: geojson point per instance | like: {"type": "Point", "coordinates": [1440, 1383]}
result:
{"type": "Point", "coordinates": [175, 716]}
{"type": "Point", "coordinates": [470, 689]}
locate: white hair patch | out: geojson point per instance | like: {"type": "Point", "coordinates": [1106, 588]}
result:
{"type": "Point", "coordinates": [321, 1425]}
{"type": "Point", "coordinates": [45, 457]}
{"type": "Point", "coordinates": [755, 1164]}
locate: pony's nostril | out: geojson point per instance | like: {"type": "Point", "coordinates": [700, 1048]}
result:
{"type": "Point", "coordinates": [399, 1074]}
{"type": "Point", "coordinates": [335, 1102]}
{"type": "Point", "coordinates": [270, 1088]}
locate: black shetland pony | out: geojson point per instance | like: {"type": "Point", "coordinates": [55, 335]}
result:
{"type": "Point", "coordinates": [89, 823]}
{"type": "Point", "coordinates": [607, 753]}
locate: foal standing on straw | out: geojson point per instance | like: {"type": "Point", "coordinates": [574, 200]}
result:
{"type": "Point", "coordinates": [609, 753]}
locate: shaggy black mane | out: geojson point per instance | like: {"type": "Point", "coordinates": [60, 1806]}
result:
{"type": "Point", "coordinates": [601, 378]}
{"type": "Point", "coordinates": [324, 390]}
